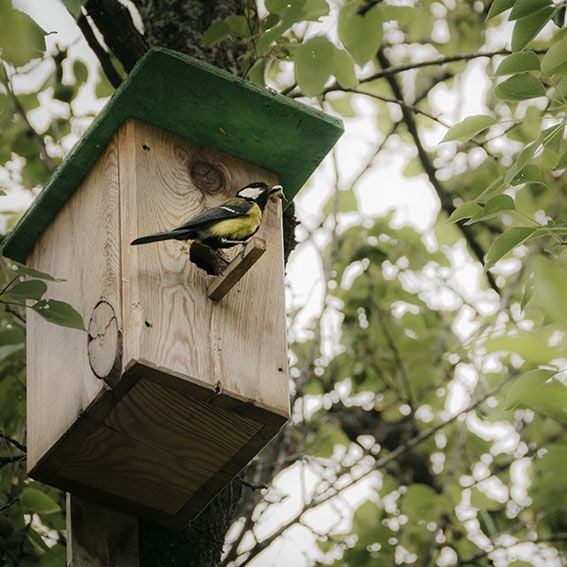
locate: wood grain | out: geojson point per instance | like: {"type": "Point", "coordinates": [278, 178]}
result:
{"type": "Point", "coordinates": [100, 537]}
{"type": "Point", "coordinates": [82, 246]}
{"type": "Point", "coordinates": [238, 343]}
{"type": "Point", "coordinates": [158, 447]}
{"type": "Point", "coordinates": [235, 271]}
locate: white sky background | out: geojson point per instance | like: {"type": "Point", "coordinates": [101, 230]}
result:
{"type": "Point", "coordinates": [385, 189]}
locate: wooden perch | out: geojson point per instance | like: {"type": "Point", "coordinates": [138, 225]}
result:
{"type": "Point", "coordinates": [237, 268]}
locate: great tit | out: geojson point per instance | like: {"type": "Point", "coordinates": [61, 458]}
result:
{"type": "Point", "coordinates": [228, 224]}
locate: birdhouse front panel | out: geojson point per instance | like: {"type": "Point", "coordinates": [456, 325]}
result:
{"type": "Point", "coordinates": [237, 345]}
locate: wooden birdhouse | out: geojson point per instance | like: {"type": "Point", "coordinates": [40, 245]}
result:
{"type": "Point", "coordinates": [173, 390]}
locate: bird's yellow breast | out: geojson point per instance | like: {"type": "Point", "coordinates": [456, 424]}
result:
{"type": "Point", "coordinates": [238, 228]}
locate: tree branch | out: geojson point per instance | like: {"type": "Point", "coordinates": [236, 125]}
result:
{"type": "Point", "coordinates": [116, 26]}
{"type": "Point", "coordinates": [105, 61]}
{"type": "Point", "coordinates": [427, 164]}
{"type": "Point", "coordinates": [13, 442]}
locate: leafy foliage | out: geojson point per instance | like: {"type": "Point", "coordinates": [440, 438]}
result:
{"type": "Point", "coordinates": [429, 380]}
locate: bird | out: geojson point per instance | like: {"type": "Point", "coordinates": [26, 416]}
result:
{"type": "Point", "coordinates": [231, 223]}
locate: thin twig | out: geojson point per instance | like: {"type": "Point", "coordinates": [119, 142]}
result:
{"type": "Point", "coordinates": [12, 441]}
{"type": "Point", "coordinates": [10, 460]}
{"type": "Point", "coordinates": [389, 71]}
{"type": "Point", "coordinates": [9, 504]}
{"type": "Point", "coordinates": [333, 491]}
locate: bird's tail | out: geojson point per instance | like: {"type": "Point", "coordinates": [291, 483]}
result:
{"type": "Point", "coordinates": [170, 235]}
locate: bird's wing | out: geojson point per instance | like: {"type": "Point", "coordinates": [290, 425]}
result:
{"type": "Point", "coordinates": [230, 209]}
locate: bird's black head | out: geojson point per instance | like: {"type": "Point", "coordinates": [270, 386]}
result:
{"type": "Point", "coordinates": [259, 192]}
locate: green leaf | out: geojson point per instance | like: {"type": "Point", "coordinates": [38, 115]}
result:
{"type": "Point", "coordinates": [496, 186]}
{"type": "Point", "coordinates": [468, 128]}
{"type": "Point", "coordinates": [550, 288]}
{"type": "Point", "coordinates": [523, 158]}
{"type": "Point", "coordinates": [32, 272]}
{"type": "Point", "coordinates": [561, 163]}
{"type": "Point", "coordinates": [526, 385]}
{"type": "Point", "coordinates": [552, 138]}
{"type": "Point", "coordinates": [360, 34]}
{"type": "Point", "coordinates": [526, 8]}
{"type": "Point", "coordinates": [36, 502]}
{"type": "Point", "coordinates": [506, 242]}
{"type": "Point", "coordinates": [310, 10]}
{"type": "Point", "coordinates": [530, 174]}
{"type": "Point", "coordinates": [343, 70]}
{"type": "Point", "coordinates": [518, 63]}
{"type": "Point", "coordinates": [238, 25]}
{"type": "Point", "coordinates": [493, 207]}
{"type": "Point", "coordinates": [104, 87]}
{"type": "Point", "coordinates": [30, 289]}
{"type": "Point", "coordinates": [59, 313]}
{"type": "Point", "coordinates": [528, 27]}
{"type": "Point", "coordinates": [559, 96]}
{"type": "Point", "coordinates": [400, 14]}
{"type": "Point", "coordinates": [80, 71]}
{"type": "Point", "coordinates": [519, 87]}
{"type": "Point", "coordinates": [465, 211]}
{"type": "Point", "coordinates": [216, 32]}
{"type": "Point", "coordinates": [499, 203]}
{"type": "Point", "coordinates": [21, 39]}
{"type": "Point", "coordinates": [314, 62]}
{"type": "Point", "coordinates": [555, 60]}
{"type": "Point", "coordinates": [257, 72]}
{"type": "Point", "coordinates": [347, 203]}
{"type": "Point", "coordinates": [2, 192]}
{"type": "Point", "coordinates": [499, 6]}
{"type": "Point", "coordinates": [529, 291]}
{"type": "Point", "coordinates": [533, 346]}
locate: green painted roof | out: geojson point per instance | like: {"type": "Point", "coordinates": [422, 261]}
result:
{"type": "Point", "coordinates": [202, 103]}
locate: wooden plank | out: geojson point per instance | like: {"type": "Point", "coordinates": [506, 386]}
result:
{"type": "Point", "coordinates": [82, 246]}
{"type": "Point", "coordinates": [167, 470]}
{"type": "Point", "coordinates": [237, 345]}
{"type": "Point", "coordinates": [234, 272]}
{"type": "Point", "coordinates": [100, 537]}
{"type": "Point", "coordinates": [227, 113]}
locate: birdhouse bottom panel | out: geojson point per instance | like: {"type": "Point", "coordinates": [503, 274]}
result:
{"type": "Point", "coordinates": [158, 452]}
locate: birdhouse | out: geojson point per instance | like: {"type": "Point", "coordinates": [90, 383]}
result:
{"type": "Point", "coordinates": [182, 377]}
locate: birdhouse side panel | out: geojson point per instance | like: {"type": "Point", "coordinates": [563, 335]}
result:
{"type": "Point", "coordinates": [81, 245]}
{"type": "Point", "coordinates": [170, 321]}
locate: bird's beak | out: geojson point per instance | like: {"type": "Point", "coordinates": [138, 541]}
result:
{"type": "Point", "coordinates": [277, 191]}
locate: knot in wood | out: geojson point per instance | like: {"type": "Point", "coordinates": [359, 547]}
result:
{"type": "Point", "coordinates": [104, 343]}
{"type": "Point", "coordinates": [206, 177]}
